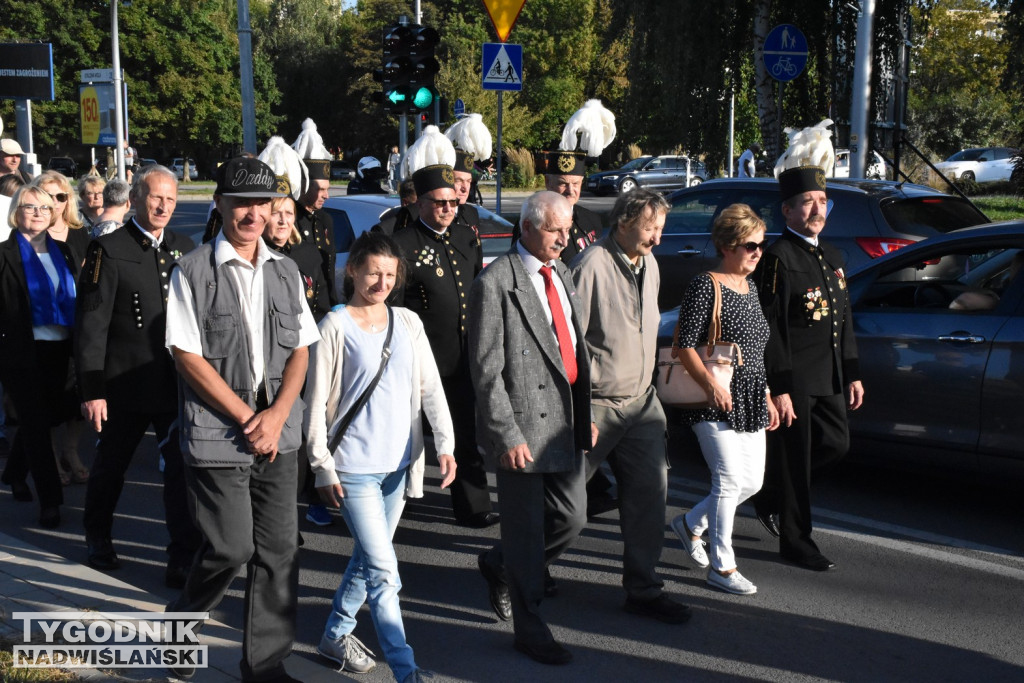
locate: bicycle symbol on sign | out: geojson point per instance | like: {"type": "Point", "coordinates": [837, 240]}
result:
{"type": "Point", "coordinates": [786, 66]}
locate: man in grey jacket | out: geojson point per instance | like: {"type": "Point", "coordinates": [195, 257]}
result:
{"type": "Point", "coordinates": [617, 282]}
{"type": "Point", "coordinates": [531, 375]}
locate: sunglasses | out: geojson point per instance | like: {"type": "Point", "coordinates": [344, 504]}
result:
{"type": "Point", "coordinates": [60, 196]}
{"type": "Point", "coordinates": [453, 203]}
{"type": "Point", "coordinates": [751, 247]}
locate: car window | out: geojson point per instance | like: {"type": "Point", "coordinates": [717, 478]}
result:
{"type": "Point", "coordinates": [925, 216]}
{"type": "Point", "coordinates": [966, 155]}
{"type": "Point", "coordinates": [655, 164]}
{"type": "Point", "coordinates": [695, 212]}
{"type": "Point", "coordinates": [765, 203]}
{"type": "Point", "coordinates": [999, 153]}
{"type": "Point", "coordinates": [343, 230]}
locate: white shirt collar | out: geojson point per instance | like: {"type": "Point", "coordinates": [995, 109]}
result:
{"type": "Point", "coordinates": [531, 262]}
{"type": "Point", "coordinates": [813, 241]}
{"type": "Point", "coordinates": [155, 241]}
{"type": "Point", "coordinates": [437, 232]}
{"type": "Point", "coordinates": [224, 252]}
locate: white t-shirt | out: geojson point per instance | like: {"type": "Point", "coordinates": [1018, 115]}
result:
{"type": "Point", "coordinates": [747, 168]}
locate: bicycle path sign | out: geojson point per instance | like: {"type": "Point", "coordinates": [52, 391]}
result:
{"type": "Point", "coordinates": [785, 52]}
{"type": "Point", "coordinates": [502, 66]}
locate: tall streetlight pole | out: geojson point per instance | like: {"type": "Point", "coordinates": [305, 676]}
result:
{"type": "Point", "coordinates": [115, 60]}
{"type": "Point", "coordinates": [245, 73]}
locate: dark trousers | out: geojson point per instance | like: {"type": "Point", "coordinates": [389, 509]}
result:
{"type": "Point", "coordinates": [470, 495]}
{"type": "Point", "coordinates": [40, 400]}
{"type": "Point", "coordinates": [247, 518]}
{"type": "Point", "coordinates": [819, 437]}
{"type": "Point", "coordinates": [120, 437]}
{"type": "Point", "coordinates": [632, 439]}
{"type": "Point", "coordinates": [541, 516]}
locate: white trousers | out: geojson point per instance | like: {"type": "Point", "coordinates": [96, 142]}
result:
{"type": "Point", "coordinates": [736, 461]}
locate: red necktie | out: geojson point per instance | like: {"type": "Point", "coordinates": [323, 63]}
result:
{"type": "Point", "coordinates": [565, 347]}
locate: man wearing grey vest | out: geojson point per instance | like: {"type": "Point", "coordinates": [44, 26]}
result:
{"type": "Point", "coordinates": [238, 329]}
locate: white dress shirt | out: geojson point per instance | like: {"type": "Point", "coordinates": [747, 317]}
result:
{"type": "Point", "coordinates": [533, 266]}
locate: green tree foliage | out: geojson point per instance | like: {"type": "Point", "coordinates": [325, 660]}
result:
{"type": "Point", "coordinates": [957, 98]}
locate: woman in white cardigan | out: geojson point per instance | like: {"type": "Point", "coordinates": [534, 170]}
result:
{"type": "Point", "coordinates": [376, 465]}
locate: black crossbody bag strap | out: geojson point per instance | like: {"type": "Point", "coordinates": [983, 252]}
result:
{"type": "Point", "coordinates": [385, 356]}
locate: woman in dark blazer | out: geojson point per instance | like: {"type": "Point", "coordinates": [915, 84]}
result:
{"type": "Point", "coordinates": [37, 304]}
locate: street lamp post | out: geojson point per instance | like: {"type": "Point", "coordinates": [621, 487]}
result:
{"type": "Point", "coordinates": [115, 59]}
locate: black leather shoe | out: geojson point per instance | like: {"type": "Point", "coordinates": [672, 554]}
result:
{"type": "Point", "coordinates": [49, 517]}
{"type": "Point", "coordinates": [501, 599]}
{"type": "Point", "coordinates": [176, 576]}
{"type": "Point", "coordinates": [102, 555]}
{"type": "Point", "coordinates": [662, 608]}
{"type": "Point", "coordinates": [816, 563]}
{"type": "Point", "coordinates": [550, 585]}
{"type": "Point", "coordinates": [546, 653]}
{"type": "Point", "coordinates": [769, 521]}
{"type": "Point", "coordinates": [481, 520]}
{"type": "Point", "coordinates": [21, 492]}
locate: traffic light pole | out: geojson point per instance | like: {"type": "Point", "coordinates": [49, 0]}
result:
{"type": "Point", "coordinates": [403, 134]}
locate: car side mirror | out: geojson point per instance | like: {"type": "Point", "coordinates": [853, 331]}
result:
{"type": "Point", "coordinates": [982, 159]}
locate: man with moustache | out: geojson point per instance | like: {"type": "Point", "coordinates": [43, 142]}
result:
{"type": "Point", "coordinates": [443, 257]}
{"type": "Point", "coordinates": [531, 373]}
{"type": "Point", "coordinates": [617, 281]}
{"type": "Point", "coordinates": [811, 363]}
{"type": "Point", "coordinates": [239, 330]}
{"type": "Point", "coordinates": [316, 225]}
{"type": "Point", "coordinates": [126, 379]}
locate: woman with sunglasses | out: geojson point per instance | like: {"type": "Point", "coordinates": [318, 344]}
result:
{"type": "Point", "coordinates": [67, 228]}
{"type": "Point", "coordinates": [37, 310]}
{"type": "Point", "coordinates": [731, 430]}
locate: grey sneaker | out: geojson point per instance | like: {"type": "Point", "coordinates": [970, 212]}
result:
{"type": "Point", "coordinates": [419, 675]}
{"type": "Point", "coordinates": [348, 652]}
{"type": "Point", "coordinates": [733, 582]}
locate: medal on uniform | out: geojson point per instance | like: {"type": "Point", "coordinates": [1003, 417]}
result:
{"type": "Point", "coordinates": [440, 273]}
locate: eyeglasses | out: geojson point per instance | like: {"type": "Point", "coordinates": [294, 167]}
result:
{"type": "Point", "coordinates": [439, 203]}
{"type": "Point", "coordinates": [60, 196]}
{"type": "Point", "coordinates": [33, 208]}
{"type": "Point", "coordinates": [751, 247]}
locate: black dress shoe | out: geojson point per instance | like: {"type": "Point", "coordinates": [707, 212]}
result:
{"type": "Point", "coordinates": [663, 608]}
{"type": "Point", "coordinates": [102, 555]}
{"type": "Point", "coordinates": [816, 563]}
{"type": "Point", "coordinates": [21, 492]}
{"type": "Point", "coordinates": [176, 576]}
{"type": "Point", "coordinates": [481, 520]}
{"type": "Point", "coordinates": [501, 599]}
{"type": "Point", "coordinates": [550, 585]}
{"type": "Point", "coordinates": [545, 653]}
{"type": "Point", "coordinates": [769, 521]}
{"type": "Point", "coordinates": [49, 517]}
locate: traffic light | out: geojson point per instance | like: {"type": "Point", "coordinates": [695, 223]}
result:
{"type": "Point", "coordinates": [408, 68]}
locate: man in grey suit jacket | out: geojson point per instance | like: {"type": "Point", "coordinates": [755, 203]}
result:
{"type": "Point", "coordinates": [531, 376]}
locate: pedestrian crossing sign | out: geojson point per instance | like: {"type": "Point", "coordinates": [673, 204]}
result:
{"type": "Point", "coordinates": [502, 66]}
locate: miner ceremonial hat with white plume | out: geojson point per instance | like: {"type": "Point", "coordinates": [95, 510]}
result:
{"type": "Point", "coordinates": [310, 147]}
{"type": "Point", "coordinates": [594, 126]}
{"type": "Point", "coordinates": [431, 149]}
{"type": "Point", "coordinates": [472, 141]}
{"type": "Point", "coordinates": [809, 159]}
{"type": "Point", "coordinates": [287, 164]}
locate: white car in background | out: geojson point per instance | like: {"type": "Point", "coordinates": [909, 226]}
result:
{"type": "Point", "coordinates": [177, 166]}
{"type": "Point", "coordinates": [876, 169]}
{"type": "Point", "coordinates": [979, 165]}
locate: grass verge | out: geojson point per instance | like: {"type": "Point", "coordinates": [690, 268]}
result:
{"type": "Point", "coordinates": [1001, 207]}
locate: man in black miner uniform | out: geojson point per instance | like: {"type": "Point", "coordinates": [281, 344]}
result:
{"type": "Point", "coordinates": [811, 362]}
{"type": "Point", "coordinates": [443, 258]}
{"type": "Point", "coordinates": [467, 214]}
{"type": "Point", "coordinates": [125, 375]}
{"type": "Point", "coordinates": [314, 224]}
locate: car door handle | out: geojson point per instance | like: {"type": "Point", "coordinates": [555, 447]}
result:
{"type": "Point", "coordinates": [963, 338]}
{"type": "Point", "coordinates": [689, 252]}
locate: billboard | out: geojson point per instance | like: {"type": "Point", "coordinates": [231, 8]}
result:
{"type": "Point", "coordinates": [97, 114]}
{"type": "Point", "coordinates": [26, 71]}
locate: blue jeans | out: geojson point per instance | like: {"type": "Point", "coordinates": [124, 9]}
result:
{"type": "Point", "coordinates": [372, 506]}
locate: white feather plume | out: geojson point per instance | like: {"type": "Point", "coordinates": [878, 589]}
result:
{"type": "Point", "coordinates": [431, 148]}
{"type": "Point", "coordinates": [285, 161]}
{"type": "Point", "coordinates": [810, 146]}
{"type": "Point", "coordinates": [309, 144]}
{"type": "Point", "coordinates": [595, 127]}
{"type": "Point", "coordinates": [470, 134]}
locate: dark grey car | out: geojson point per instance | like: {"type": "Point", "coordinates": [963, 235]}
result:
{"type": "Point", "coordinates": [867, 219]}
{"type": "Point", "coordinates": [940, 334]}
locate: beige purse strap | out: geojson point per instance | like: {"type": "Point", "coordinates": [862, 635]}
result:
{"type": "Point", "coordinates": [715, 327]}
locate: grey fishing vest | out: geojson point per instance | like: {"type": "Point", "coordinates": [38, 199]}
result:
{"type": "Point", "coordinates": [208, 437]}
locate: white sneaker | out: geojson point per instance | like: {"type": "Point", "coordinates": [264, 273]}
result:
{"type": "Point", "coordinates": [694, 548]}
{"type": "Point", "coordinates": [733, 582]}
{"type": "Point", "coordinates": [348, 652]}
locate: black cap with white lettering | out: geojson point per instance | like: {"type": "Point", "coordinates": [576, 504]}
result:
{"type": "Point", "coordinates": [249, 177]}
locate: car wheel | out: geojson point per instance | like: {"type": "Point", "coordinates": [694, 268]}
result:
{"type": "Point", "coordinates": [696, 180]}
{"type": "Point", "coordinates": [627, 185]}
{"type": "Point", "coordinates": [968, 176]}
